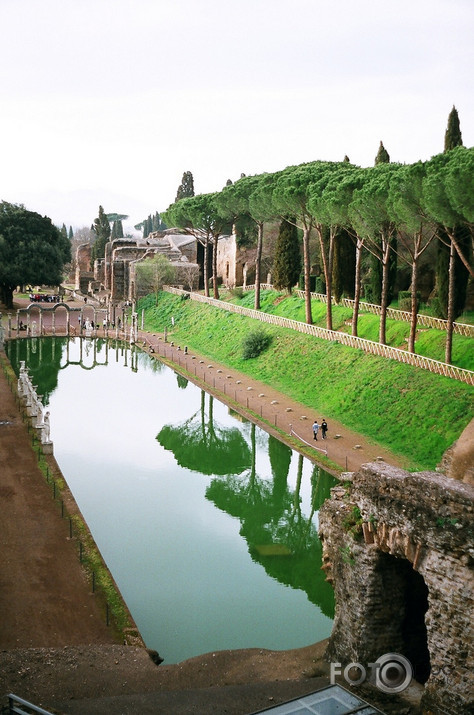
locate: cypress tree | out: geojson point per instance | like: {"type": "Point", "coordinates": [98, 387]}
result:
{"type": "Point", "coordinates": [343, 271]}
{"type": "Point", "coordinates": [376, 268]}
{"type": "Point", "coordinates": [383, 156]}
{"type": "Point", "coordinates": [453, 137]}
{"type": "Point", "coordinates": [101, 228]}
{"type": "Point", "coordinates": [71, 233]}
{"type": "Point", "coordinates": [287, 264]}
{"type": "Point", "coordinates": [186, 188]}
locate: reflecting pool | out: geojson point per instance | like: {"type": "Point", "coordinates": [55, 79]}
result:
{"type": "Point", "coordinates": [207, 524]}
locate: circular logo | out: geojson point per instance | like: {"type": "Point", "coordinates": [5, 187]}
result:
{"type": "Point", "coordinates": [393, 673]}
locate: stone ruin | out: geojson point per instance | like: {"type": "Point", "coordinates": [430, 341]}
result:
{"type": "Point", "coordinates": [34, 409]}
{"type": "Point", "coordinates": [115, 273]}
{"type": "Point", "coordinates": [398, 549]}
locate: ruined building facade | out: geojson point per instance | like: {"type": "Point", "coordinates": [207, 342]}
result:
{"type": "Point", "coordinates": [399, 551]}
{"type": "Point", "coordinates": [116, 273]}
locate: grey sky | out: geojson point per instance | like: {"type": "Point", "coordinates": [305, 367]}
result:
{"type": "Point", "coordinates": [109, 101]}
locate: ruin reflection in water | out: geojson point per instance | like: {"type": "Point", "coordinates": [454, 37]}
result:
{"type": "Point", "coordinates": [207, 523]}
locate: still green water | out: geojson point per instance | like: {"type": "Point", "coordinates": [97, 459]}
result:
{"type": "Point", "coordinates": [207, 523]}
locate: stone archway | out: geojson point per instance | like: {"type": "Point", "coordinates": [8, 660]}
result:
{"type": "Point", "coordinates": [396, 547]}
{"type": "Point", "coordinates": [409, 601]}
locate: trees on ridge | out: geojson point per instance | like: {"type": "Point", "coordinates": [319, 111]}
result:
{"type": "Point", "coordinates": [387, 211]}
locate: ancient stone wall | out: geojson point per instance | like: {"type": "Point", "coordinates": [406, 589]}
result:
{"type": "Point", "coordinates": [398, 549]}
{"type": "Point", "coordinates": [99, 271]}
{"type": "Point", "coordinates": [83, 265]}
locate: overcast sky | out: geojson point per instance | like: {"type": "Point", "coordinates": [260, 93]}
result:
{"type": "Point", "coordinates": [110, 101]}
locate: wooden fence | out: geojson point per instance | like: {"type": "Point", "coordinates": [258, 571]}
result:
{"type": "Point", "coordinates": [367, 346]}
{"type": "Point", "coordinates": [427, 321]}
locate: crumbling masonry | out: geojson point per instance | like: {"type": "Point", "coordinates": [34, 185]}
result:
{"type": "Point", "coordinates": [398, 549]}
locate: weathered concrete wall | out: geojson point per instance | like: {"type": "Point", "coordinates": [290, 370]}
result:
{"type": "Point", "coordinates": [83, 265]}
{"type": "Point", "coordinates": [99, 271]}
{"type": "Point", "coordinates": [226, 260]}
{"type": "Point", "coordinates": [398, 549]}
{"type": "Point", "coordinates": [110, 256]}
{"type": "Point", "coordinates": [233, 261]}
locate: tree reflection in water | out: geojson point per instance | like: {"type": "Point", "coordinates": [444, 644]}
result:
{"type": "Point", "coordinates": [201, 444]}
{"type": "Point", "coordinates": [279, 536]}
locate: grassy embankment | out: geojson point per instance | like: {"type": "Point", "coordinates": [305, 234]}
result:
{"type": "Point", "coordinates": [412, 412]}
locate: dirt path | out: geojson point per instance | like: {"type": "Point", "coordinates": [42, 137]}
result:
{"type": "Point", "coordinates": [45, 600]}
{"type": "Point", "coordinates": [285, 418]}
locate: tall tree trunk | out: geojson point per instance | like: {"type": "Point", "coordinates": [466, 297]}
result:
{"type": "Point", "coordinates": [449, 327]}
{"type": "Point", "coordinates": [6, 296]}
{"type": "Point", "coordinates": [384, 294]}
{"type": "Point", "coordinates": [326, 258]}
{"type": "Point", "coordinates": [307, 276]}
{"type": "Point", "coordinates": [214, 268]}
{"type": "Point", "coordinates": [206, 267]}
{"type": "Point", "coordinates": [258, 262]}
{"type": "Point", "coordinates": [329, 280]}
{"type": "Point", "coordinates": [452, 235]}
{"type": "Point", "coordinates": [414, 306]}
{"type": "Point", "coordinates": [355, 314]}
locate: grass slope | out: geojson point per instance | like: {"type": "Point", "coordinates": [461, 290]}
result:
{"type": "Point", "coordinates": [414, 413]}
{"type": "Point", "coordinates": [429, 342]}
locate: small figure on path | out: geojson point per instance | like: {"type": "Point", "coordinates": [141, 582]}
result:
{"type": "Point", "coordinates": [324, 428]}
{"type": "Point", "coordinates": [315, 429]}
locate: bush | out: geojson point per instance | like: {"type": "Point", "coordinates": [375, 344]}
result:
{"type": "Point", "coordinates": [255, 343]}
{"type": "Point", "coordinates": [237, 292]}
{"type": "Point", "coordinates": [404, 300]}
{"type": "Point", "coordinates": [320, 285]}
{"type": "Point", "coordinates": [312, 283]}
{"type": "Point", "coordinates": [437, 308]}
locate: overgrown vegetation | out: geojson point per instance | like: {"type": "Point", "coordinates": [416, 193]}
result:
{"type": "Point", "coordinates": [410, 411]}
{"type": "Point", "coordinates": [352, 523]}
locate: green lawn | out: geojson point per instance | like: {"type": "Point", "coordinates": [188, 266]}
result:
{"type": "Point", "coordinates": [416, 414]}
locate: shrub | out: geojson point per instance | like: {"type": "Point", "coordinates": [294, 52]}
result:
{"type": "Point", "coordinates": [437, 308]}
{"type": "Point", "coordinates": [312, 283]}
{"type": "Point", "coordinates": [320, 285]}
{"type": "Point", "coordinates": [254, 343]}
{"type": "Point", "coordinates": [404, 300]}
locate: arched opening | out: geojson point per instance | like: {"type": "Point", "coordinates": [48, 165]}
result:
{"type": "Point", "coordinates": [200, 261]}
{"type": "Point", "coordinates": [402, 626]}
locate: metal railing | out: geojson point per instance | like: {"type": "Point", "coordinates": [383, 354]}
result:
{"type": "Point", "coordinates": [368, 346]}
{"type": "Point", "coordinates": [17, 705]}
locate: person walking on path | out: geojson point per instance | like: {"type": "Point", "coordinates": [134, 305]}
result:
{"type": "Point", "coordinates": [324, 428]}
{"type": "Point", "coordinates": [315, 429]}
